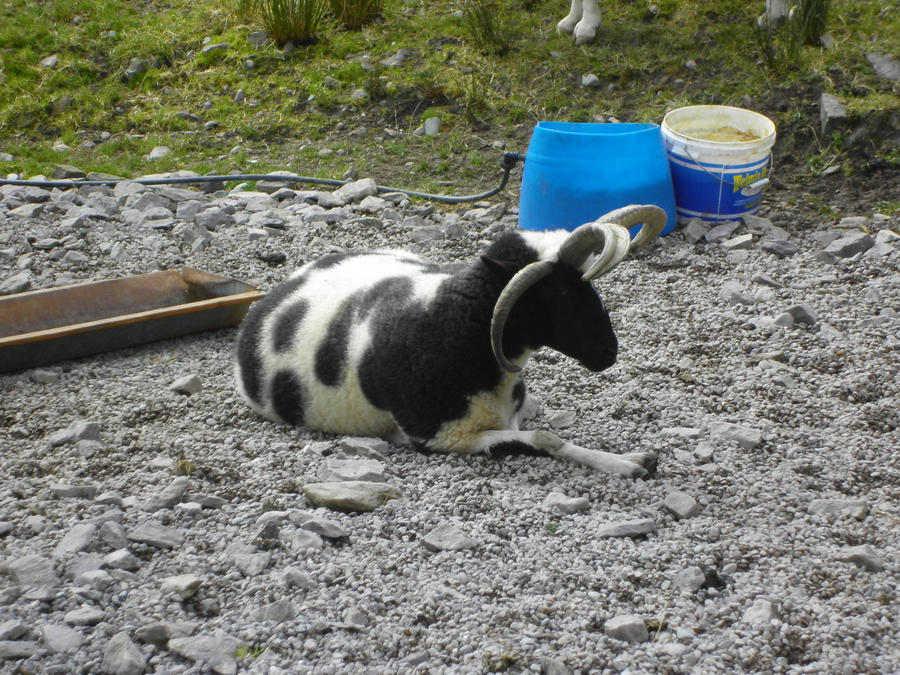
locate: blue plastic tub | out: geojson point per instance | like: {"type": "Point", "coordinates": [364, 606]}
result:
{"type": "Point", "coordinates": [575, 172]}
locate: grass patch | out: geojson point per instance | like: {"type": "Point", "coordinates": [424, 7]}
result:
{"type": "Point", "coordinates": [281, 109]}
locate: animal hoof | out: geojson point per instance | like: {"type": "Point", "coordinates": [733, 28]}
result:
{"type": "Point", "coordinates": [565, 26]}
{"type": "Point", "coordinates": [584, 33]}
{"type": "Point", "coordinates": [645, 464]}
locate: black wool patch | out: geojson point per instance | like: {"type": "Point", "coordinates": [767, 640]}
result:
{"type": "Point", "coordinates": [250, 363]}
{"type": "Point", "coordinates": [286, 325]}
{"type": "Point", "coordinates": [331, 355]}
{"type": "Point", "coordinates": [288, 397]}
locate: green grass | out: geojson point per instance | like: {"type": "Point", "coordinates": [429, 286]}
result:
{"type": "Point", "coordinates": [290, 111]}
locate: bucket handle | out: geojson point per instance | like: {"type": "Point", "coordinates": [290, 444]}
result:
{"type": "Point", "coordinates": [762, 182]}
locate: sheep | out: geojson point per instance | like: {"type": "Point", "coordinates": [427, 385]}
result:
{"type": "Point", "coordinates": [583, 18]}
{"type": "Point", "coordinates": [384, 343]}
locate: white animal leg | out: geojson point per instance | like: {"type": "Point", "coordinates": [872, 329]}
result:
{"type": "Point", "coordinates": [586, 29]}
{"type": "Point", "coordinates": [567, 25]}
{"type": "Point", "coordinates": [633, 465]}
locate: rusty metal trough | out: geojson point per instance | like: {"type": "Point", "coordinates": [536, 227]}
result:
{"type": "Point", "coordinates": [40, 327]}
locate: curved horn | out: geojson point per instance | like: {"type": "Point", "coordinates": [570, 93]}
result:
{"type": "Point", "coordinates": [524, 279]}
{"type": "Point", "coordinates": [609, 234]}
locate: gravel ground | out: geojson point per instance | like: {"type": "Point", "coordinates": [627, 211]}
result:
{"type": "Point", "coordinates": [152, 529]}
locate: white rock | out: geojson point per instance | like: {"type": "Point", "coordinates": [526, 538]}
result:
{"type": "Point", "coordinates": [628, 627]}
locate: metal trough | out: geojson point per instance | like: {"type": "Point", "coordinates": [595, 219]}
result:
{"type": "Point", "coordinates": [40, 327]}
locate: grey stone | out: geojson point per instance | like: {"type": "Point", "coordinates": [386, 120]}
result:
{"type": "Point", "coordinates": [122, 559]}
{"type": "Point", "coordinates": [75, 540]}
{"type": "Point", "coordinates": [832, 115]}
{"type": "Point", "coordinates": [849, 246]}
{"type": "Point", "coordinates": [448, 537]}
{"type": "Point", "coordinates": [33, 570]}
{"type": "Point", "coordinates": [213, 218]}
{"type": "Point", "coordinates": [560, 503]}
{"type": "Point", "coordinates": [840, 508]}
{"type": "Point", "coordinates": [356, 191]}
{"type": "Point", "coordinates": [400, 57]}
{"type": "Point", "coordinates": [170, 496]}
{"type": "Point", "coordinates": [214, 651]}
{"type": "Point", "coordinates": [324, 526]}
{"type": "Point", "coordinates": [432, 126]}
{"type": "Point", "coordinates": [9, 595]}
{"type": "Point", "coordinates": [78, 431]}
{"type": "Point", "coordinates": [780, 248]}
{"type": "Point", "coordinates": [865, 556]}
{"type": "Point", "coordinates": [376, 448]}
{"type": "Point", "coordinates": [17, 649]}
{"type": "Point", "coordinates": [28, 211]}
{"type": "Point", "coordinates": [337, 469]}
{"type": "Point", "coordinates": [96, 579]}
{"type": "Point", "coordinates": [886, 66]}
{"type": "Point", "coordinates": [627, 627]}
{"type": "Point", "coordinates": [351, 495]}
{"type": "Point", "coordinates": [802, 314]}
{"type": "Point", "coordinates": [720, 232]}
{"type": "Point", "coordinates": [113, 534]}
{"type": "Point", "coordinates": [626, 528]}
{"type": "Point", "coordinates": [745, 437]}
{"type": "Point", "coordinates": [16, 283]}
{"type": "Point", "coordinates": [694, 230]}
{"type": "Point", "coordinates": [12, 629]}
{"type": "Point", "coordinates": [182, 585]}
{"type": "Point", "coordinates": [155, 534]}
{"type": "Point", "coordinates": [785, 320]}
{"type": "Point", "coordinates": [277, 612]}
{"type": "Point", "coordinates": [220, 47]}
{"type": "Point", "coordinates": [73, 490]}
{"type": "Point", "coordinates": [84, 616]}
{"type": "Point", "coordinates": [562, 419]}
{"type": "Point", "coordinates": [690, 579]}
{"type": "Point", "coordinates": [741, 242]}
{"type": "Point", "coordinates": [187, 385]}
{"type": "Point", "coordinates": [306, 540]}
{"type": "Point", "coordinates": [122, 657]}
{"type": "Point", "coordinates": [760, 612]}
{"type": "Point", "coordinates": [60, 638]}
{"type": "Point", "coordinates": [159, 152]}
{"type": "Point", "coordinates": [294, 576]}
{"type": "Point", "coordinates": [590, 81]}
{"type": "Point", "coordinates": [252, 564]}
{"type": "Point", "coordinates": [159, 633]}
{"type": "Point", "coordinates": [681, 504]}
{"type": "Point", "coordinates": [136, 67]}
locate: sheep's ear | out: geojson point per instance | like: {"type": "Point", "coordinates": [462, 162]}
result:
{"type": "Point", "coordinates": [502, 267]}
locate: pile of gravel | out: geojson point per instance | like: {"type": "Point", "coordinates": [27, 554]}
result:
{"type": "Point", "coordinates": [150, 522]}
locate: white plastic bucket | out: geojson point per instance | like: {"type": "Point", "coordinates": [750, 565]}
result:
{"type": "Point", "coordinates": [720, 158]}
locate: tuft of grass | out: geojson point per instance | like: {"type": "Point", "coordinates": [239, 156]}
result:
{"type": "Point", "coordinates": [245, 653]}
{"type": "Point", "coordinates": [485, 22]}
{"type": "Point", "coordinates": [354, 14]}
{"type": "Point", "coordinates": [297, 21]}
{"type": "Point", "coordinates": [780, 46]}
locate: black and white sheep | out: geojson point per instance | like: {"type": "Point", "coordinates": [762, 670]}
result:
{"type": "Point", "coordinates": [384, 343]}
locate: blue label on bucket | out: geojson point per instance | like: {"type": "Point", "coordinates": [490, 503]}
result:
{"type": "Point", "coordinates": [717, 191]}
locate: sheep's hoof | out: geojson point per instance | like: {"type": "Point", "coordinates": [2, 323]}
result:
{"type": "Point", "coordinates": [645, 463]}
{"type": "Point", "coordinates": [585, 32]}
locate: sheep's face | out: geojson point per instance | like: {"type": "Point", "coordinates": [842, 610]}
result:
{"type": "Point", "coordinates": [577, 323]}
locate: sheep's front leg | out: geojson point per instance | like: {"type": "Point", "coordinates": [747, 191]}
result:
{"type": "Point", "coordinates": [586, 29]}
{"type": "Point", "coordinates": [567, 25]}
{"type": "Point", "coordinates": [633, 465]}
